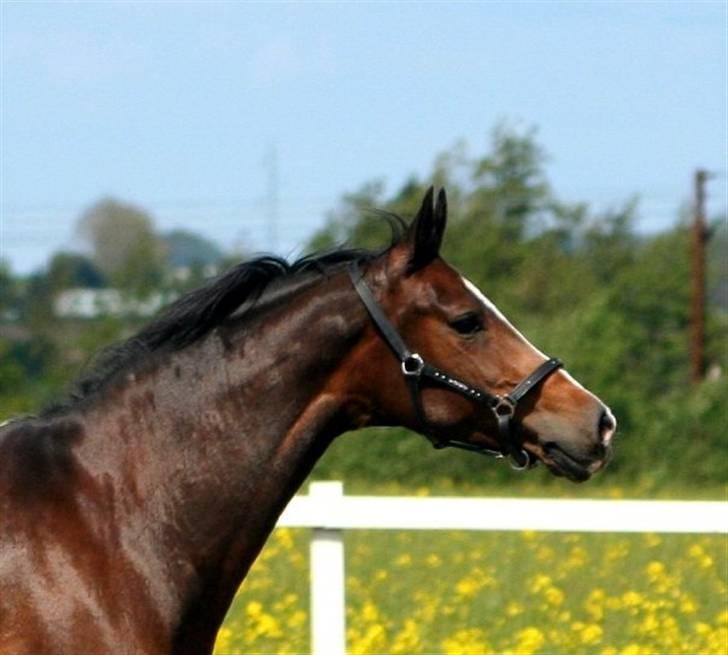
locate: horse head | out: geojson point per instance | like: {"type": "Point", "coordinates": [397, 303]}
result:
{"type": "Point", "coordinates": [466, 376]}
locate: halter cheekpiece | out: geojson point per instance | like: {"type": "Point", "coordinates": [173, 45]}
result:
{"type": "Point", "coordinates": [415, 369]}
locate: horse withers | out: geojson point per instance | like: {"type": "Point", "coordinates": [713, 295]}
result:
{"type": "Point", "coordinates": [131, 510]}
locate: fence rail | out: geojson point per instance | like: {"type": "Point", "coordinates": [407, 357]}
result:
{"type": "Point", "coordinates": [329, 513]}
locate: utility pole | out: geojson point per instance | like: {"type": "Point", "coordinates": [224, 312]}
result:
{"type": "Point", "coordinates": [699, 239]}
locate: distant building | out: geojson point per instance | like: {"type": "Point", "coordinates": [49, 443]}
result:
{"type": "Point", "coordinates": [95, 303]}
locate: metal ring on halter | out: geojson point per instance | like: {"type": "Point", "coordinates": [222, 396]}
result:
{"type": "Point", "coordinates": [413, 364]}
{"type": "Point", "coordinates": [521, 467]}
{"type": "Point", "coordinates": [504, 407]}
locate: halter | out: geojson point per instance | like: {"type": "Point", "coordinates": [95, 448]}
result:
{"type": "Point", "coordinates": [415, 369]}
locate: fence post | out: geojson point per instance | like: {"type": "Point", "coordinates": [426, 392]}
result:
{"type": "Point", "coordinates": [328, 605]}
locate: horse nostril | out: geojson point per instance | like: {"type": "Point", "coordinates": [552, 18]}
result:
{"type": "Point", "coordinates": [607, 426]}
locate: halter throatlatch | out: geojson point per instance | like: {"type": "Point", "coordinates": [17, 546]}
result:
{"type": "Point", "coordinates": [415, 369]}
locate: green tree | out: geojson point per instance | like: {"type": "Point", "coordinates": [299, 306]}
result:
{"type": "Point", "coordinates": [125, 246]}
{"type": "Point", "coordinates": [67, 269]}
{"type": "Point", "coordinates": [353, 222]}
{"type": "Point", "coordinates": [9, 296]}
{"type": "Point", "coordinates": [185, 248]}
{"type": "Point", "coordinates": [611, 303]}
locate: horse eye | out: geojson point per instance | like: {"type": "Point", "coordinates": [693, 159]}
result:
{"type": "Point", "coordinates": [468, 324]}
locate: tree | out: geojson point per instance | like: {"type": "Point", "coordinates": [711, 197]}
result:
{"type": "Point", "coordinates": [68, 269]}
{"type": "Point", "coordinates": [510, 183]}
{"type": "Point", "coordinates": [8, 291]}
{"type": "Point", "coordinates": [186, 248]}
{"type": "Point", "coordinates": [351, 222]}
{"type": "Point", "coordinates": [124, 245]}
{"type": "Point", "coordinates": [611, 303]}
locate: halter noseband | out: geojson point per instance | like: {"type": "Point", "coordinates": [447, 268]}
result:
{"type": "Point", "coordinates": [414, 369]}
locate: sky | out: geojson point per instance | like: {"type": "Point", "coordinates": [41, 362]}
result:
{"type": "Point", "coordinates": [190, 110]}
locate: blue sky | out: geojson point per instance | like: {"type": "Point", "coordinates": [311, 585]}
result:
{"type": "Point", "coordinates": [174, 106]}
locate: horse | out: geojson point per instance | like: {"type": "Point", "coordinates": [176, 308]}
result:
{"type": "Point", "coordinates": [132, 509]}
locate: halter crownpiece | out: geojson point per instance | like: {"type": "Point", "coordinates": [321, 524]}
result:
{"type": "Point", "coordinates": [415, 369]}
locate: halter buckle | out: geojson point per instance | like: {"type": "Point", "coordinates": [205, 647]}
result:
{"type": "Point", "coordinates": [412, 365]}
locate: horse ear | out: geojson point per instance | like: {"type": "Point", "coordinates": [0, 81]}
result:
{"type": "Point", "coordinates": [425, 233]}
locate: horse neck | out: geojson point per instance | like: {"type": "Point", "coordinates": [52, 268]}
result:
{"type": "Point", "coordinates": [209, 447]}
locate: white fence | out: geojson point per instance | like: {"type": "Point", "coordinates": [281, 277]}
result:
{"type": "Point", "coordinates": [329, 512]}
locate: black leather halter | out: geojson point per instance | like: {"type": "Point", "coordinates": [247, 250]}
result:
{"type": "Point", "coordinates": [415, 369]}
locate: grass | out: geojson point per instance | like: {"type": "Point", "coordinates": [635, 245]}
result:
{"type": "Point", "coordinates": [465, 593]}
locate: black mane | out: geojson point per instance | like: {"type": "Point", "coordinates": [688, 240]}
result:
{"type": "Point", "coordinates": [195, 314]}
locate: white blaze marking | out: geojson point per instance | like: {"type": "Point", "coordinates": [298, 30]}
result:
{"type": "Point", "coordinates": [491, 306]}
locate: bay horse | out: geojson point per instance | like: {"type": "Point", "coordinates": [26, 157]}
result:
{"type": "Point", "coordinates": [131, 511]}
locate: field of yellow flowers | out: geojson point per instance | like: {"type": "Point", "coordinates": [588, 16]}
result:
{"type": "Point", "coordinates": [467, 593]}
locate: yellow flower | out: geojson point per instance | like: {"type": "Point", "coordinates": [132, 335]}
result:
{"type": "Point", "coordinates": [632, 599]}
{"type": "Point", "coordinates": [407, 641]}
{"type": "Point", "coordinates": [297, 560]}
{"type": "Point", "coordinates": [636, 649]}
{"type": "Point", "coordinates": [651, 540]}
{"type": "Point", "coordinates": [433, 561]}
{"type": "Point", "coordinates": [268, 626]}
{"type": "Point", "coordinates": [717, 641]}
{"type": "Point", "coordinates": [591, 634]}
{"type": "Point", "coordinates": [649, 624]}
{"type": "Point", "coordinates": [631, 649]}
{"type": "Point", "coordinates": [372, 641]}
{"type": "Point", "coordinates": [529, 641]}
{"type": "Point", "coordinates": [577, 558]}
{"type": "Point", "coordinates": [287, 601]}
{"type": "Point", "coordinates": [297, 619]}
{"type": "Point", "coordinates": [545, 553]}
{"type": "Point", "coordinates": [467, 587]}
{"type": "Point", "coordinates": [594, 604]}
{"type": "Point", "coordinates": [702, 628]}
{"type": "Point", "coordinates": [655, 570]}
{"type": "Point", "coordinates": [468, 641]}
{"type": "Point", "coordinates": [696, 551]}
{"type": "Point", "coordinates": [616, 551]}
{"type": "Point", "coordinates": [283, 537]}
{"type": "Point", "coordinates": [539, 583]}
{"type": "Point", "coordinates": [687, 605]}
{"type": "Point", "coordinates": [554, 596]}
{"type": "Point", "coordinates": [404, 560]}
{"type": "Point", "coordinates": [222, 644]}
{"type": "Point", "coordinates": [369, 612]}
